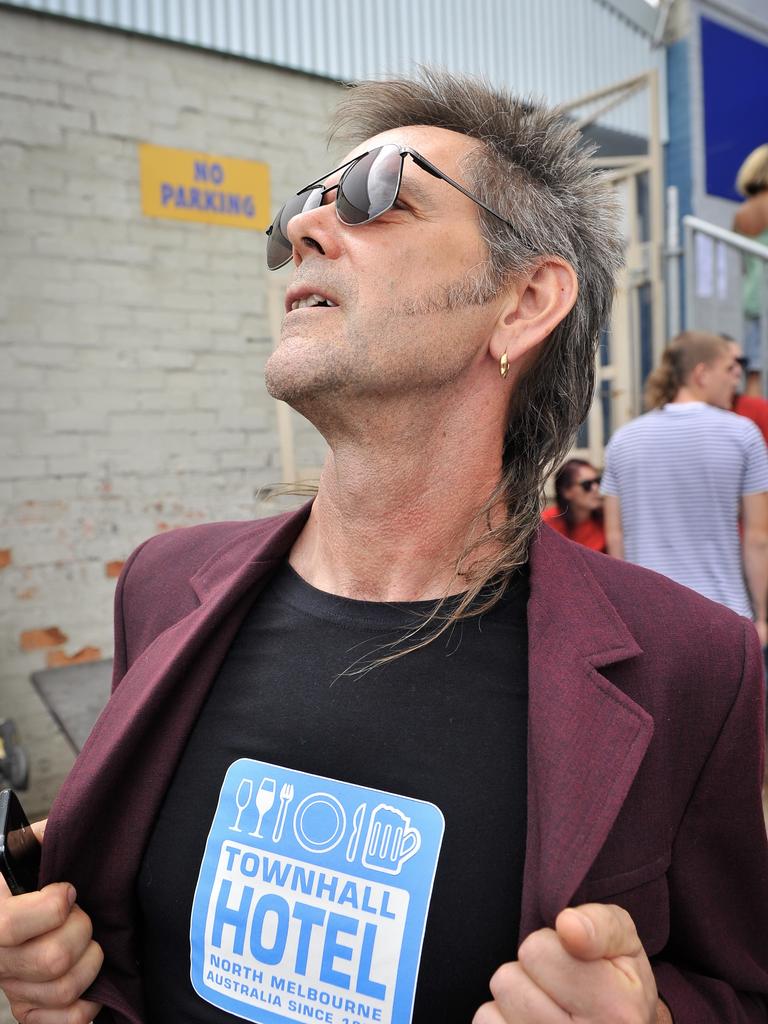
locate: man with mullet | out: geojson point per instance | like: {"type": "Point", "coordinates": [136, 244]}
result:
{"type": "Point", "coordinates": [680, 481]}
{"type": "Point", "coordinates": [403, 755]}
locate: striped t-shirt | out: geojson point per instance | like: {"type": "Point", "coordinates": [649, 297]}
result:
{"type": "Point", "coordinates": [679, 473]}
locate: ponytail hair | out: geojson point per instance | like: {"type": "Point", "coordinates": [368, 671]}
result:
{"type": "Point", "coordinates": [680, 358]}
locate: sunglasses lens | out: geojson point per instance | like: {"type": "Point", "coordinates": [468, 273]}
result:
{"type": "Point", "coordinates": [369, 187]}
{"type": "Point", "coordinates": [279, 249]}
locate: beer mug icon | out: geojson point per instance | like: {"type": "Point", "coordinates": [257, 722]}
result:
{"type": "Point", "coordinates": [390, 841]}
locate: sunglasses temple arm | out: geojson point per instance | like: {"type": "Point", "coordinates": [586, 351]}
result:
{"type": "Point", "coordinates": [430, 168]}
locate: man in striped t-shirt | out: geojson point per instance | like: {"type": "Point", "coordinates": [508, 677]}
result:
{"type": "Point", "coordinates": [678, 479]}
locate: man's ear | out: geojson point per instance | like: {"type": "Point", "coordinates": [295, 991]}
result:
{"type": "Point", "coordinates": [536, 305]}
{"type": "Point", "coordinates": [699, 376]}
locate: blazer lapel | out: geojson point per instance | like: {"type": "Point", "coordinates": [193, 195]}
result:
{"type": "Point", "coordinates": [586, 738]}
{"type": "Point", "coordinates": [133, 749]}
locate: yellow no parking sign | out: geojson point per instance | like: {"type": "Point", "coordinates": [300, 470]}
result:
{"type": "Point", "coordinates": [184, 184]}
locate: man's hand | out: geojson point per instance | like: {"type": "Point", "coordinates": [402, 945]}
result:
{"type": "Point", "coordinates": [47, 956]}
{"type": "Point", "coordinates": [591, 968]}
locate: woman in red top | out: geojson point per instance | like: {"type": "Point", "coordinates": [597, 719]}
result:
{"type": "Point", "coordinates": [578, 513]}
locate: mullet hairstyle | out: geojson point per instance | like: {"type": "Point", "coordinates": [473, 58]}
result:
{"type": "Point", "coordinates": [679, 359]}
{"type": "Point", "coordinates": [534, 168]}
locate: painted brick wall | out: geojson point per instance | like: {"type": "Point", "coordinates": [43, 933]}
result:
{"type": "Point", "coordinates": [131, 392]}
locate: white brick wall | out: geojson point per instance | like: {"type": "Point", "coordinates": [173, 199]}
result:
{"type": "Point", "coordinates": [132, 348]}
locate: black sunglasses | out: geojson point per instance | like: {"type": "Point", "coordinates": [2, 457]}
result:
{"type": "Point", "coordinates": [368, 188]}
{"type": "Point", "coordinates": [743, 362]}
{"type": "Point", "coordinates": [587, 485]}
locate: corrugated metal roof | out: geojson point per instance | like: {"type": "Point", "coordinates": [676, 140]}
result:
{"type": "Point", "coordinates": [557, 49]}
{"type": "Point", "coordinates": [640, 13]}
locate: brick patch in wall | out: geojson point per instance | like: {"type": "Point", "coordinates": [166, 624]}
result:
{"type": "Point", "coordinates": [113, 569]}
{"type": "Point", "coordinates": [57, 659]}
{"type": "Point", "coordinates": [34, 639]}
{"type": "Point", "coordinates": [5, 557]}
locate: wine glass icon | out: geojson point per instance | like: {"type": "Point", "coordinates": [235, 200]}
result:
{"type": "Point", "coordinates": [242, 799]}
{"type": "Point", "coordinates": [265, 798]}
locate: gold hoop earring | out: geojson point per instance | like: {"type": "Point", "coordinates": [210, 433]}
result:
{"type": "Point", "coordinates": [504, 364]}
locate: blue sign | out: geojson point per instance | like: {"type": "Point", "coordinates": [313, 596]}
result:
{"type": "Point", "coordinates": [735, 81]}
{"type": "Point", "coordinates": [312, 899]}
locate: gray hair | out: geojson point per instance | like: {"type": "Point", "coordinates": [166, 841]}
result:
{"type": "Point", "coordinates": [535, 170]}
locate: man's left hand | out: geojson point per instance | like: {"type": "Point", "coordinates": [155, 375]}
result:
{"type": "Point", "coordinates": [590, 968]}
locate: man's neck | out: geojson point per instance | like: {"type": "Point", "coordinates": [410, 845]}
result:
{"type": "Point", "coordinates": [391, 521]}
{"type": "Point", "coordinates": [688, 394]}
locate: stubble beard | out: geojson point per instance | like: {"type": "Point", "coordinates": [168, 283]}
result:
{"type": "Point", "coordinates": [376, 356]}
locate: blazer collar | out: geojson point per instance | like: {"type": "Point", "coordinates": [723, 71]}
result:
{"type": "Point", "coordinates": [250, 555]}
{"type": "Point", "coordinates": [586, 738]}
{"type": "Point", "coordinates": [566, 597]}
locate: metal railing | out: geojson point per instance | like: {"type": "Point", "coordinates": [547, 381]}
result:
{"type": "Point", "coordinates": [714, 282]}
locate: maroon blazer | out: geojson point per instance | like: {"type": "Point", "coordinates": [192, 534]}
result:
{"type": "Point", "coordinates": [644, 762]}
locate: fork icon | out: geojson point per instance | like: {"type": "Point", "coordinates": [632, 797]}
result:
{"type": "Point", "coordinates": [286, 795]}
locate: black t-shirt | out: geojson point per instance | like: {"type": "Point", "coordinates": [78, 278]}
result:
{"type": "Point", "coordinates": [445, 724]}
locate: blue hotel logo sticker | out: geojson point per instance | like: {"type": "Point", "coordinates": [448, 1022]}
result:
{"type": "Point", "coordinates": [312, 899]}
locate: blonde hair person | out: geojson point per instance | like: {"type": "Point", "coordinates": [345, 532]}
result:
{"type": "Point", "coordinates": [752, 220]}
{"type": "Point", "coordinates": [753, 173]}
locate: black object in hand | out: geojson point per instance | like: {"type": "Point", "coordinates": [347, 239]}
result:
{"type": "Point", "coordinates": [20, 848]}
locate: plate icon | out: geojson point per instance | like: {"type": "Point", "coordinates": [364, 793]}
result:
{"type": "Point", "coordinates": [319, 822]}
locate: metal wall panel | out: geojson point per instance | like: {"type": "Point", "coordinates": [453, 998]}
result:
{"type": "Point", "coordinates": [557, 49]}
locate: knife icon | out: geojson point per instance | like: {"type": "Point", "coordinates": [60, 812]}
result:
{"type": "Point", "coordinates": [286, 795]}
{"type": "Point", "coordinates": [357, 828]}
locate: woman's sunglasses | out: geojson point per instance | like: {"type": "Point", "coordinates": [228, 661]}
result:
{"type": "Point", "coordinates": [368, 188]}
{"type": "Point", "coordinates": [587, 485]}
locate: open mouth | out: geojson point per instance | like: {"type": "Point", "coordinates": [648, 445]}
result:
{"type": "Point", "coordinates": [312, 302]}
